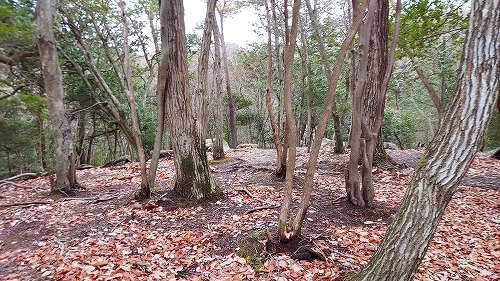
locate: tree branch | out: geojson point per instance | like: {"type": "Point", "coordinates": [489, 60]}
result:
{"type": "Point", "coordinates": [15, 56]}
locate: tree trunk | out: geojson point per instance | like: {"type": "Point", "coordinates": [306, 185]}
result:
{"type": "Point", "coordinates": [369, 99]}
{"type": "Point", "coordinates": [52, 76]}
{"type": "Point", "coordinates": [339, 146]}
{"type": "Point", "coordinates": [284, 232]}
{"type": "Point", "coordinates": [325, 115]}
{"type": "Point", "coordinates": [193, 177]}
{"type": "Point", "coordinates": [449, 154]}
{"type": "Point", "coordinates": [218, 145]}
{"type": "Point", "coordinates": [230, 102]}
{"type": "Point", "coordinates": [144, 191]}
{"type": "Point", "coordinates": [352, 176]}
{"type": "Point", "coordinates": [270, 111]}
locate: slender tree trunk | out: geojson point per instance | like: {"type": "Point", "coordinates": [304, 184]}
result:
{"type": "Point", "coordinates": [339, 146]}
{"type": "Point", "coordinates": [449, 154]}
{"type": "Point", "coordinates": [432, 92]}
{"type": "Point", "coordinates": [230, 102]}
{"type": "Point", "coordinates": [193, 177]}
{"type": "Point", "coordinates": [160, 126]}
{"type": "Point", "coordinates": [52, 76]}
{"type": "Point", "coordinates": [144, 191]}
{"type": "Point", "coordinates": [284, 232]}
{"type": "Point", "coordinates": [80, 151]}
{"type": "Point", "coordinates": [218, 145]}
{"type": "Point", "coordinates": [325, 115]}
{"type": "Point", "coordinates": [270, 110]}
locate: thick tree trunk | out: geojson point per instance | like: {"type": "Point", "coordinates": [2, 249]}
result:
{"type": "Point", "coordinates": [218, 145]}
{"type": "Point", "coordinates": [352, 177]}
{"type": "Point", "coordinates": [448, 156]}
{"type": "Point", "coordinates": [369, 99]}
{"type": "Point", "coordinates": [193, 177]}
{"type": "Point", "coordinates": [145, 191]}
{"type": "Point", "coordinates": [52, 76]}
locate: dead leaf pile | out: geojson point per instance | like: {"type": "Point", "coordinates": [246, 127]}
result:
{"type": "Point", "coordinates": [100, 233]}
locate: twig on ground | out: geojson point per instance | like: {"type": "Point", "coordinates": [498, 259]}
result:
{"type": "Point", "coordinates": [120, 222]}
{"type": "Point", "coordinates": [253, 196]}
{"type": "Point", "coordinates": [91, 199]}
{"type": "Point", "coordinates": [25, 175]}
{"type": "Point", "coordinates": [335, 201]}
{"type": "Point", "coordinates": [5, 182]}
{"type": "Point", "coordinates": [24, 204]}
{"type": "Point", "coordinates": [261, 208]}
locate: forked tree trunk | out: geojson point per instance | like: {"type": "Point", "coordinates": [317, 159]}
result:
{"type": "Point", "coordinates": [369, 100]}
{"type": "Point", "coordinates": [449, 154]}
{"type": "Point", "coordinates": [52, 77]}
{"type": "Point", "coordinates": [354, 193]}
{"type": "Point", "coordinates": [145, 191]}
{"type": "Point", "coordinates": [297, 221]}
{"type": "Point", "coordinates": [193, 177]}
{"type": "Point", "coordinates": [284, 232]}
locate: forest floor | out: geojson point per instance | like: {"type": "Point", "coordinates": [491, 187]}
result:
{"type": "Point", "coordinates": [101, 233]}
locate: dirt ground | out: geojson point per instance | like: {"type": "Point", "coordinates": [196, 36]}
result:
{"type": "Point", "coordinates": [101, 233]}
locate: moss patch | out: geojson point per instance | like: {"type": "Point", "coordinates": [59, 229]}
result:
{"type": "Point", "coordinates": [251, 248]}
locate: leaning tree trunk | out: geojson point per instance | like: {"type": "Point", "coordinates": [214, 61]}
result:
{"type": "Point", "coordinates": [339, 145]}
{"type": "Point", "coordinates": [193, 177]}
{"type": "Point", "coordinates": [145, 191]}
{"type": "Point", "coordinates": [52, 76]}
{"type": "Point", "coordinates": [448, 156]}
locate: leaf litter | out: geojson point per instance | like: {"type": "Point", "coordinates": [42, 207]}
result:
{"type": "Point", "coordinates": [100, 233]}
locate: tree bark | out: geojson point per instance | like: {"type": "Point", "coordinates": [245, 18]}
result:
{"type": "Point", "coordinates": [52, 76]}
{"type": "Point", "coordinates": [193, 177]}
{"type": "Point", "coordinates": [352, 180]}
{"type": "Point", "coordinates": [449, 154]}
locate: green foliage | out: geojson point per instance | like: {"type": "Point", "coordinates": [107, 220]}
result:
{"type": "Point", "coordinates": [19, 134]}
{"type": "Point", "coordinates": [492, 139]}
{"type": "Point", "coordinates": [425, 21]}
{"type": "Point", "coordinates": [399, 128]}
{"type": "Point", "coordinates": [17, 24]}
